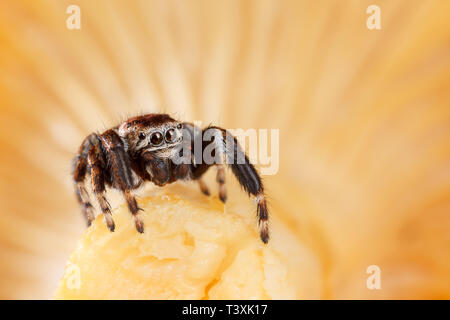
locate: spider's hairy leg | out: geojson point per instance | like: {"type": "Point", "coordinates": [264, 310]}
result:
{"type": "Point", "coordinates": [203, 187]}
{"type": "Point", "coordinates": [246, 174]}
{"type": "Point", "coordinates": [95, 161]}
{"type": "Point", "coordinates": [83, 199]}
{"type": "Point", "coordinates": [220, 178]}
{"type": "Point", "coordinates": [134, 209]}
{"type": "Point", "coordinates": [79, 174]}
{"type": "Point", "coordinates": [121, 173]}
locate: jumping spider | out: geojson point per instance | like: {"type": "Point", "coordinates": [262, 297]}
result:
{"type": "Point", "coordinates": [145, 148]}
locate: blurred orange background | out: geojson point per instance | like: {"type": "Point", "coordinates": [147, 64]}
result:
{"type": "Point", "coordinates": [364, 119]}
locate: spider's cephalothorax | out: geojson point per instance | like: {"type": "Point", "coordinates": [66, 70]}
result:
{"type": "Point", "coordinates": [149, 148]}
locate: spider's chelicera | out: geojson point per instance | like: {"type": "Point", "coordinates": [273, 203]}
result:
{"type": "Point", "coordinates": [157, 148]}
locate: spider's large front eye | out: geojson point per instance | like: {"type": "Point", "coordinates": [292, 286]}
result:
{"type": "Point", "coordinates": [156, 138]}
{"type": "Point", "coordinates": [170, 135]}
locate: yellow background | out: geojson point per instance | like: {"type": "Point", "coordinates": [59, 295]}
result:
{"type": "Point", "coordinates": [364, 119]}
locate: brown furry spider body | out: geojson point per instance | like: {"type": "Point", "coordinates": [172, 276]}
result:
{"type": "Point", "coordinates": [157, 148]}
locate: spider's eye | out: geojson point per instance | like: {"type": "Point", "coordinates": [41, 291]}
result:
{"type": "Point", "coordinates": [142, 136]}
{"type": "Point", "coordinates": [179, 126]}
{"type": "Point", "coordinates": [170, 135]}
{"type": "Point", "coordinates": [156, 138]}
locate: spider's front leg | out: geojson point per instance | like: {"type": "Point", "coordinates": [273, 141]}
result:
{"type": "Point", "coordinates": [222, 144]}
{"type": "Point", "coordinates": [233, 155]}
{"type": "Point", "coordinates": [120, 171]}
